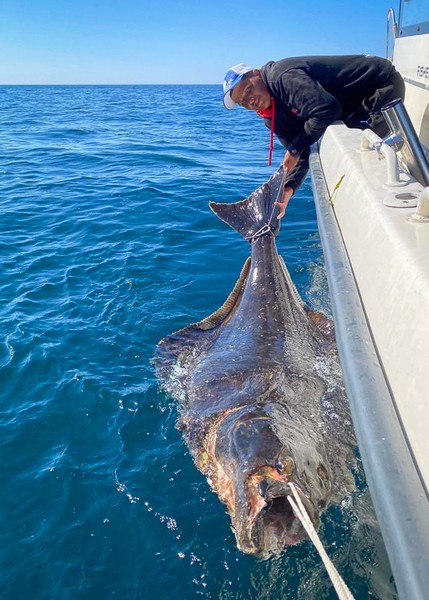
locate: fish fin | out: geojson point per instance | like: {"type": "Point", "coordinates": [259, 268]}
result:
{"type": "Point", "coordinates": [224, 313]}
{"type": "Point", "coordinates": [291, 284]}
{"type": "Point", "coordinates": [250, 215]}
{"type": "Point", "coordinates": [323, 323]}
{"type": "Point", "coordinates": [171, 347]}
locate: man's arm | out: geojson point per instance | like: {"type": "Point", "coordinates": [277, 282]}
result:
{"type": "Point", "coordinates": [290, 161]}
{"type": "Point", "coordinates": [296, 169]}
{"type": "Point", "coordinates": [287, 195]}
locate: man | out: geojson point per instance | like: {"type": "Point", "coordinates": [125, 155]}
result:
{"type": "Point", "coordinates": [299, 97]}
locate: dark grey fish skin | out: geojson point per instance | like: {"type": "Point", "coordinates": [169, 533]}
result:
{"type": "Point", "coordinates": [260, 393]}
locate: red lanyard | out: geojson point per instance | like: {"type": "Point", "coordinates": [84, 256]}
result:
{"type": "Point", "coordinates": [269, 113]}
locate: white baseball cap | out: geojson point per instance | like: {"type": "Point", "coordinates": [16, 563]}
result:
{"type": "Point", "coordinates": [233, 76]}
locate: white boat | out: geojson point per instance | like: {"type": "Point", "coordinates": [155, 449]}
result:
{"type": "Point", "coordinates": [372, 201]}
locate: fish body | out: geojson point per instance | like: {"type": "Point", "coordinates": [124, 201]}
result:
{"type": "Point", "coordinates": [260, 392]}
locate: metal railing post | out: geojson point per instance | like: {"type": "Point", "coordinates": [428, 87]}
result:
{"type": "Point", "coordinates": [411, 151]}
{"type": "Point", "coordinates": [391, 18]}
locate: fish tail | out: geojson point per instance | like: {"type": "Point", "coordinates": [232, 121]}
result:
{"type": "Point", "coordinates": [250, 216]}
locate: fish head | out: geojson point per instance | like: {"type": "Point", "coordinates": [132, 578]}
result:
{"type": "Point", "coordinates": [256, 460]}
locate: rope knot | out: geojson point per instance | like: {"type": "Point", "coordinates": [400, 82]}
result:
{"type": "Point", "coordinates": [264, 230]}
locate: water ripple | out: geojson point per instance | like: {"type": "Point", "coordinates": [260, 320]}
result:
{"type": "Point", "coordinates": [107, 244]}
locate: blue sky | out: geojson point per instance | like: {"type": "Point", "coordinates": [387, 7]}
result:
{"type": "Point", "coordinates": [156, 41]}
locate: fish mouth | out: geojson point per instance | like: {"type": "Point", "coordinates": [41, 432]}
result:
{"type": "Point", "coordinates": [272, 523]}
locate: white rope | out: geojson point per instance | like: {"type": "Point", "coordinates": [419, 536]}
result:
{"type": "Point", "coordinates": [340, 587]}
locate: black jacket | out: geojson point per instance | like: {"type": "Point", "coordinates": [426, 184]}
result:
{"type": "Point", "coordinates": [310, 93]}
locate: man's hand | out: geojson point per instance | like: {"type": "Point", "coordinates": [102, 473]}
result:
{"type": "Point", "coordinates": [290, 162]}
{"type": "Point", "coordinates": [288, 192]}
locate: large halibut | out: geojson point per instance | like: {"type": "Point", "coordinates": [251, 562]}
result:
{"type": "Point", "coordinates": [260, 392]}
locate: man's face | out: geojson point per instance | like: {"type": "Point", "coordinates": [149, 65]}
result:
{"type": "Point", "coordinates": [251, 92]}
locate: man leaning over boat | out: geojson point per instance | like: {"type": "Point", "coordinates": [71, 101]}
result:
{"type": "Point", "coordinates": [298, 98]}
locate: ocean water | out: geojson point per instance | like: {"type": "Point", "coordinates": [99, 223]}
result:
{"type": "Point", "coordinates": [107, 244]}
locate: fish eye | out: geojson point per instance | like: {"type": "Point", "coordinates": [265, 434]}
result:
{"type": "Point", "coordinates": [286, 466]}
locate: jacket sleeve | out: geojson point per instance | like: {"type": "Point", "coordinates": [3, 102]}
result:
{"type": "Point", "coordinates": [295, 178]}
{"type": "Point", "coordinates": [312, 102]}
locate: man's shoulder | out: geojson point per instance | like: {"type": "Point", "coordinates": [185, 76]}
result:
{"type": "Point", "coordinates": [275, 71]}
{"type": "Point", "coordinates": [276, 68]}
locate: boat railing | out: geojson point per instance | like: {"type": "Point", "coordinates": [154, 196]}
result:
{"type": "Point", "coordinates": [392, 30]}
{"type": "Point", "coordinates": [371, 141]}
{"type": "Point", "coordinates": [406, 140]}
{"type": "Point", "coordinates": [402, 139]}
